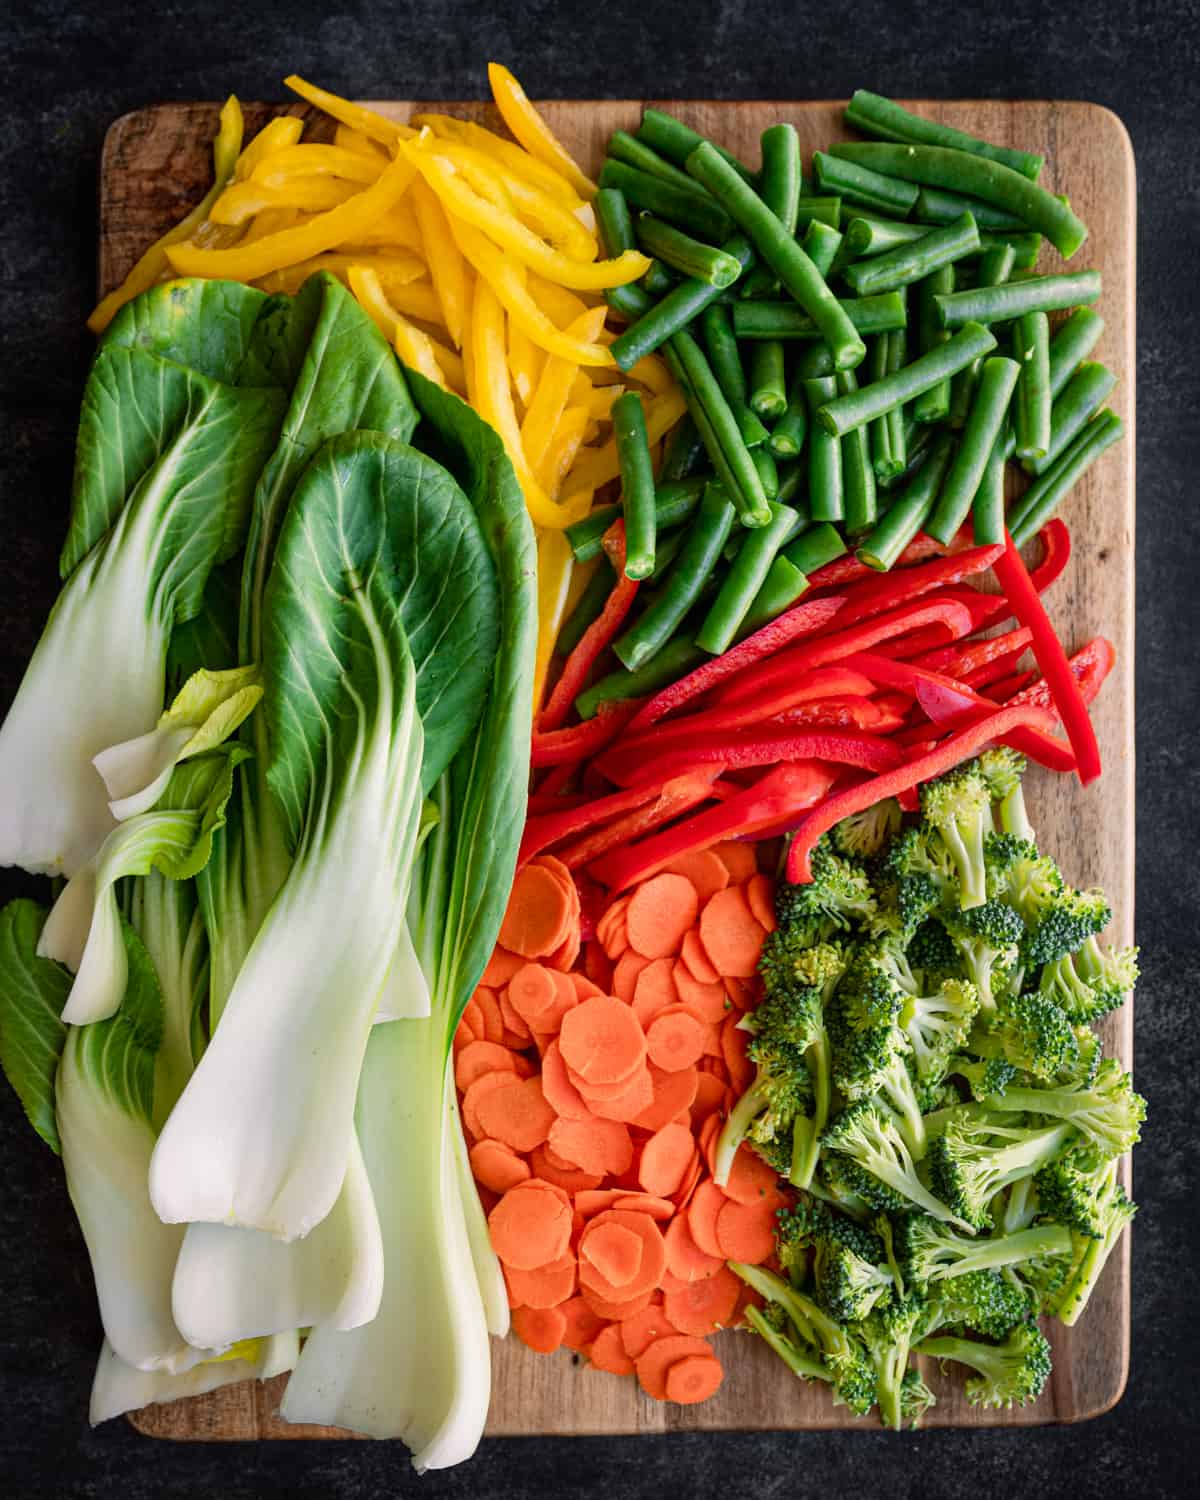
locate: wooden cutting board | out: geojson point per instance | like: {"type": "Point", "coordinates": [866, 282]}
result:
{"type": "Point", "coordinates": [156, 165]}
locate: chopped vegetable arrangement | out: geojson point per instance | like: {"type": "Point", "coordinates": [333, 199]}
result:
{"type": "Point", "coordinates": [530, 743]}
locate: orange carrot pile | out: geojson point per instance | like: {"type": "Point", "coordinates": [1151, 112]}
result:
{"type": "Point", "coordinates": [593, 1078]}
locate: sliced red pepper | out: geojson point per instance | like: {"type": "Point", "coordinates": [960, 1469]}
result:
{"type": "Point", "coordinates": [1052, 658]}
{"type": "Point", "coordinates": [883, 590]}
{"type": "Point", "coordinates": [569, 746]}
{"type": "Point", "coordinates": [994, 671]}
{"type": "Point", "coordinates": [848, 569]}
{"type": "Point", "coordinates": [1091, 664]}
{"type": "Point", "coordinates": [670, 801]}
{"type": "Point", "coordinates": [952, 752]}
{"type": "Point", "coordinates": [596, 638]}
{"type": "Point", "coordinates": [580, 814]}
{"type": "Point", "coordinates": [804, 619]}
{"type": "Point", "coordinates": [964, 657]}
{"type": "Point", "coordinates": [1008, 687]}
{"type": "Point", "coordinates": [555, 781]}
{"type": "Point", "coordinates": [538, 803]}
{"type": "Point", "coordinates": [739, 748]}
{"type": "Point", "coordinates": [1056, 554]}
{"type": "Point", "coordinates": [782, 793]}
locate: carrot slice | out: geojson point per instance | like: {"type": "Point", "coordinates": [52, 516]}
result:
{"type": "Point", "coordinates": [561, 1094]}
{"type": "Point", "coordinates": [489, 1009]}
{"type": "Point", "coordinates": [673, 1093]}
{"type": "Point", "coordinates": [600, 1146]}
{"type": "Point", "coordinates": [541, 1328]}
{"type": "Point", "coordinates": [654, 990]}
{"type": "Point", "coordinates": [609, 928]}
{"type": "Point", "coordinates": [616, 1252]}
{"type": "Point", "coordinates": [474, 1096]}
{"type": "Point", "coordinates": [516, 1028]}
{"type": "Point", "coordinates": [704, 869]}
{"type": "Point", "coordinates": [713, 1050]}
{"type": "Point", "coordinates": [660, 1209]}
{"type": "Point", "coordinates": [707, 1000]}
{"type": "Point", "coordinates": [741, 992]}
{"type": "Point", "coordinates": [751, 1180]}
{"type": "Point", "coordinates": [538, 913]}
{"type": "Point", "coordinates": [547, 1286]}
{"type": "Point", "coordinates": [606, 1351]}
{"type": "Point", "coordinates": [746, 1231]}
{"type": "Point", "coordinates": [696, 959]}
{"type": "Point", "coordinates": [529, 1227]}
{"type": "Point", "coordinates": [682, 1195]}
{"type": "Point", "coordinates": [598, 967]}
{"type": "Point", "coordinates": [705, 1305]}
{"type": "Point", "coordinates": [658, 1357]}
{"type": "Point", "coordinates": [516, 1114]}
{"type": "Point", "coordinates": [654, 1254]}
{"type": "Point", "coordinates": [675, 1039]}
{"type": "Point", "coordinates": [497, 1166]}
{"type": "Point", "coordinates": [479, 1058]}
{"type": "Point", "coordinates": [551, 1169]}
{"type": "Point", "coordinates": [707, 1202]}
{"type": "Point", "coordinates": [601, 1039]}
{"type": "Point", "coordinates": [706, 1139]}
{"type": "Point", "coordinates": [761, 896]}
{"type": "Point", "coordinates": [637, 1097]}
{"type": "Point", "coordinates": [694, 1378]}
{"type": "Point", "coordinates": [532, 992]}
{"type": "Point", "coordinates": [585, 986]}
{"type": "Point", "coordinates": [613, 1310]}
{"type": "Point", "coordinates": [500, 968]}
{"type": "Point", "coordinates": [640, 1331]}
{"type": "Point", "coordinates": [685, 1258]}
{"type": "Point", "coordinates": [603, 1093]}
{"type": "Point", "coordinates": [625, 975]}
{"type": "Point", "coordinates": [710, 1097]}
{"type": "Point", "coordinates": [583, 1325]}
{"type": "Point", "coordinates": [731, 934]}
{"type": "Point", "coordinates": [737, 858]}
{"type": "Point", "coordinates": [660, 912]}
{"type": "Point", "coordinates": [563, 957]}
{"type": "Point", "coordinates": [596, 1200]}
{"type": "Point", "coordinates": [665, 1159]}
{"type": "Point", "coordinates": [734, 1042]}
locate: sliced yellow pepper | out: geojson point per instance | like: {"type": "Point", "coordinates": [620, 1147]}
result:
{"type": "Point", "coordinates": [155, 262]}
{"type": "Point", "coordinates": [525, 362]}
{"type": "Point", "coordinates": [391, 269]}
{"type": "Point", "coordinates": [553, 388]}
{"type": "Point", "coordinates": [652, 372]}
{"type": "Point", "coordinates": [560, 306]}
{"type": "Point", "coordinates": [396, 227]}
{"type": "Point", "coordinates": [416, 299]}
{"type": "Point", "coordinates": [538, 209]}
{"type": "Point", "coordinates": [514, 158]}
{"type": "Point", "coordinates": [372, 124]}
{"type": "Point", "coordinates": [596, 466]}
{"type": "Point", "coordinates": [518, 113]}
{"type": "Point", "coordinates": [451, 366]}
{"type": "Point", "coordinates": [317, 161]}
{"type": "Point", "coordinates": [350, 139]}
{"type": "Point", "coordinates": [410, 343]}
{"type": "Point", "coordinates": [600, 401]}
{"type": "Point", "coordinates": [555, 561]}
{"type": "Point", "coordinates": [283, 130]}
{"type": "Point", "coordinates": [241, 201]}
{"type": "Point", "coordinates": [561, 454]}
{"type": "Point", "coordinates": [270, 221]}
{"type": "Point", "coordinates": [443, 257]}
{"type": "Point", "coordinates": [340, 226]}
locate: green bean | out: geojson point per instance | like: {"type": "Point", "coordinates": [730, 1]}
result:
{"type": "Point", "coordinates": [887, 431]}
{"type": "Point", "coordinates": [818, 208]}
{"type": "Point", "coordinates": [782, 586]}
{"type": "Point", "coordinates": [813, 548]}
{"type": "Point", "coordinates": [995, 267]}
{"type": "Point", "coordinates": [997, 380]}
{"type": "Point", "coordinates": [825, 493]}
{"type": "Point", "coordinates": [934, 404]}
{"type": "Point", "coordinates": [1031, 406]}
{"type": "Point", "coordinates": [675, 501]}
{"type": "Point", "coordinates": [726, 361]}
{"type": "Point", "coordinates": [1043, 496]}
{"type": "Point", "coordinates": [768, 388]}
{"type": "Point", "coordinates": [908, 263]}
{"type": "Point", "coordinates": [867, 236]}
{"type": "Point", "coordinates": [791, 473]}
{"type": "Point", "coordinates": [1083, 395]}
{"type": "Point", "coordinates": [788, 434]}
{"type": "Point", "coordinates": [858, 477]}
{"type": "Point", "coordinates": [906, 515]}
{"type": "Point", "coordinates": [745, 578]}
{"type": "Point", "coordinates": [826, 213]}
{"type": "Point", "coordinates": [676, 310]}
{"type": "Point", "coordinates": [889, 121]}
{"type": "Point", "coordinates": [959, 172]}
{"type": "Point", "coordinates": [998, 304]}
{"type": "Point", "coordinates": [676, 141]}
{"type": "Point", "coordinates": [637, 484]}
{"type": "Point", "coordinates": [821, 244]}
{"type": "Point", "coordinates": [719, 428]}
{"type": "Point", "coordinates": [688, 256]}
{"type": "Point", "coordinates": [672, 661]}
{"type": "Point", "coordinates": [665, 553]}
{"type": "Point", "coordinates": [814, 361]}
{"type": "Point", "coordinates": [781, 252]}
{"type": "Point", "coordinates": [683, 454]}
{"type": "Point", "coordinates": [764, 462]}
{"type": "Point", "coordinates": [987, 508]}
{"type": "Point", "coordinates": [1025, 248]}
{"type": "Point", "coordinates": [627, 148]}
{"type": "Point", "coordinates": [1073, 342]}
{"type": "Point", "coordinates": [861, 185]}
{"type": "Point", "coordinates": [917, 438]}
{"type": "Point", "coordinates": [784, 320]}
{"type": "Point", "coordinates": [587, 608]}
{"type": "Point", "coordinates": [657, 281]}
{"type": "Point", "coordinates": [706, 537]}
{"type": "Point", "coordinates": [847, 412]}
{"type": "Point", "coordinates": [694, 210]}
{"type": "Point", "coordinates": [940, 207]}
{"type": "Point", "coordinates": [781, 181]}
{"type": "Point", "coordinates": [616, 234]}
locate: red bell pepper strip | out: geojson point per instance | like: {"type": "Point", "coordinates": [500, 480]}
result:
{"type": "Point", "coordinates": [1091, 664]}
{"type": "Point", "coordinates": [883, 590]}
{"type": "Point", "coordinates": [963, 658]}
{"type": "Point", "coordinates": [780, 795]}
{"type": "Point", "coordinates": [555, 781]}
{"type": "Point", "coordinates": [1056, 553]}
{"type": "Point", "coordinates": [538, 803]}
{"type": "Point", "coordinates": [576, 815]}
{"type": "Point", "coordinates": [994, 671]}
{"type": "Point", "coordinates": [739, 748]}
{"type": "Point", "coordinates": [670, 801]}
{"type": "Point", "coordinates": [848, 569]}
{"type": "Point", "coordinates": [1052, 658]}
{"type": "Point", "coordinates": [580, 741]}
{"type": "Point", "coordinates": [952, 752]}
{"type": "Point", "coordinates": [804, 619]}
{"type": "Point", "coordinates": [599, 635]}
{"type": "Point", "coordinates": [1008, 687]}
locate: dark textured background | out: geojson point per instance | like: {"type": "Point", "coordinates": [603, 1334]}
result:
{"type": "Point", "coordinates": [66, 70]}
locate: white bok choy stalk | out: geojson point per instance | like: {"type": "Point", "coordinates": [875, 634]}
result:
{"type": "Point", "coordinates": [118, 1387]}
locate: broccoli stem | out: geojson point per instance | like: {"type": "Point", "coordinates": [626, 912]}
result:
{"type": "Point", "coordinates": [806, 1149]}
{"type": "Point", "coordinates": [798, 1363]}
{"type": "Point", "coordinates": [733, 1132]}
{"type": "Point", "coordinates": [1021, 1208]}
{"type": "Point", "coordinates": [1006, 1250]}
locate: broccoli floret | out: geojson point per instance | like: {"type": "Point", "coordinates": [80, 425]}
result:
{"type": "Point", "coordinates": [862, 1020]}
{"type": "Point", "coordinates": [933, 955]}
{"type": "Point", "coordinates": [937, 1025]}
{"type": "Point", "coordinates": [933, 1252]}
{"type": "Point", "coordinates": [864, 833]}
{"type": "Point", "coordinates": [886, 1173]}
{"type": "Point", "coordinates": [1090, 983]}
{"type": "Point", "coordinates": [988, 938]}
{"type": "Point", "coordinates": [767, 1111]}
{"type": "Point", "coordinates": [898, 1094]}
{"type": "Point", "coordinates": [1073, 1189]}
{"type": "Point", "coordinates": [837, 1182]}
{"type": "Point", "coordinates": [985, 1302]}
{"type": "Point", "coordinates": [838, 897]}
{"type": "Point", "coordinates": [1113, 1212]}
{"type": "Point", "coordinates": [847, 1285]}
{"type": "Point", "coordinates": [1021, 1206]}
{"type": "Point", "coordinates": [1043, 1278]}
{"type": "Point", "coordinates": [1033, 1034]}
{"type": "Point", "coordinates": [1064, 925]}
{"type": "Point", "coordinates": [1107, 1112]}
{"type": "Point", "coordinates": [1012, 1372]}
{"type": "Point", "coordinates": [1087, 1064]}
{"type": "Point", "coordinates": [887, 1335]}
{"type": "Point", "coordinates": [917, 876]}
{"type": "Point", "coordinates": [979, 1154]}
{"type": "Point", "coordinates": [959, 806]}
{"type": "Point", "coordinates": [1002, 769]}
{"type": "Point", "coordinates": [915, 1399]}
{"type": "Point", "coordinates": [986, 1077]}
{"type": "Point", "coordinates": [814, 1326]}
{"type": "Point", "coordinates": [811, 1222]}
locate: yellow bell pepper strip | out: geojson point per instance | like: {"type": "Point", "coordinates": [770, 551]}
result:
{"type": "Point", "coordinates": [554, 387]}
{"type": "Point", "coordinates": [340, 226]}
{"type": "Point", "coordinates": [409, 342]}
{"type": "Point", "coordinates": [564, 447]}
{"type": "Point", "coordinates": [276, 134]}
{"type": "Point", "coordinates": [372, 124]}
{"type": "Point", "coordinates": [396, 227]}
{"type": "Point", "coordinates": [652, 372]}
{"type": "Point", "coordinates": [462, 202]}
{"type": "Point", "coordinates": [597, 466]}
{"type": "Point", "coordinates": [561, 306]}
{"type": "Point", "coordinates": [452, 367]}
{"type": "Point", "coordinates": [416, 299]}
{"type": "Point", "coordinates": [443, 257]}
{"type": "Point", "coordinates": [242, 201]}
{"type": "Point", "coordinates": [350, 139]}
{"type": "Point", "coordinates": [227, 147]}
{"type": "Point", "coordinates": [531, 130]}
{"type": "Point", "coordinates": [508, 282]}
{"type": "Point", "coordinates": [554, 565]}
{"type": "Point", "coordinates": [312, 160]}
{"type": "Point", "coordinates": [538, 209]}
{"type": "Point", "coordinates": [392, 270]}
{"type": "Point", "coordinates": [270, 221]}
{"type": "Point", "coordinates": [525, 361]}
{"type": "Point", "coordinates": [536, 172]}
{"type": "Point", "coordinates": [600, 401]}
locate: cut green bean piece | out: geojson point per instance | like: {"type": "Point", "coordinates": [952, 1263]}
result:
{"type": "Point", "coordinates": [706, 538]}
{"type": "Point", "coordinates": [781, 180]}
{"type": "Point", "coordinates": [999, 304]}
{"type": "Point", "coordinates": [676, 141]}
{"type": "Point", "coordinates": [726, 360]}
{"type": "Point", "coordinates": [1073, 342]}
{"type": "Point", "coordinates": [933, 405]}
{"type": "Point", "coordinates": [997, 381]}
{"type": "Point", "coordinates": [995, 267]}
{"type": "Point", "coordinates": [692, 209]}
{"type": "Point", "coordinates": [814, 547]}
{"type": "Point", "coordinates": [907, 513]}
{"type": "Point", "coordinates": [657, 281]}
{"type": "Point", "coordinates": [866, 236]}
{"type": "Point", "coordinates": [959, 172]}
{"type": "Point", "coordinates": [687, 255]}
{"type": "Point", "coordinates": [815, 208]}
{"type": "Point", "coordinates": [788, 434]}
{"type": "Point", "coordinates": [615, 224]}
{"type": "Point", "coordinates": [908, 263]}
{"type": "Point", "coordinates": [784, 320]}
{"type": "Point", "coordinates": [671, 662]}
{"type": "Point", "coordinates": [791, 476]}
{"type": "Point", "coordinates": [861, 185]}
{"type": "Point", "coordinates": [847, 412]}
{"type": "Point", "coordinates": [756, 552]}
{"type": "Point", "coordinates": [987, 508]}
{"type": "Point", "coordinates": [666, 552]}
{"type": "Point", "coordinates": [821, 244]}
{"type": "Point", "coordinates": [1082, 396]}
{"type": "Point", "coordinates": [825, 493]}
{"type": "Point", "coordinates": [684, 454]}
{"type": "Point", "coordinates": [781, 252]}
{"type": "Point", "coordinates": [940, 207]}
{"type": "Point", "coordinates": [1024, 247]}
{"type": "Point", "coordinates": [637, 484]}
{"type": "Point", "coordinates": [858, 476]}
{"type": "Point", "coordinates": [768, 386]}
{"type": "Point", "coordinates": [889, 121]}
{"type": "Point", "coordinates": [1032, 404]}
{"type": "Point", "coordinates": [719, 428]}
{"type": "Point", "coordinates": [674, 502]}
{"type": "Point", "coordinates": [886, 433]}
{"type": "Point", "coordinates": [917, 440]}
{"type": "Point", "coordinates": [768, 473]}
{"type": "Point", "coordinates": [782, 587]}
{"type": "Point", "coordinates": [676, 310]}
{"type": "Point", "coordinates": [627, 148]}
{"type": "Point", "coordinates": [1047, 492]}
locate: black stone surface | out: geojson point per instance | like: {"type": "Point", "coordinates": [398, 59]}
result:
{"type": "Point", "coordinates": [66, 70]}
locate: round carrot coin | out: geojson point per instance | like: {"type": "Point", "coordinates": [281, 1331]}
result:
{"type": "Point", "coordinates": [538, 913]}
{"type": "Point", "coordinates": [660, 912]}
{"type": "Point", "coordinates": [601, 1040]}
{"type": "Point", "coordinates": [675, 1039]}
{"type": "Point", "coordinates": [693, 1379]}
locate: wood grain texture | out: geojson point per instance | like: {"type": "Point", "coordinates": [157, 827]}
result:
{"type": "Point", "coordinates": [156, 165]}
